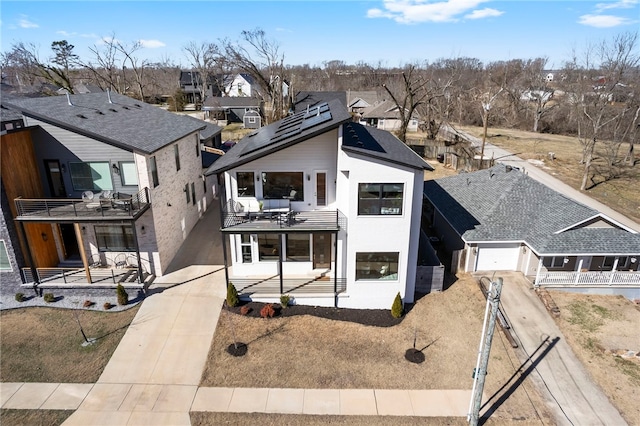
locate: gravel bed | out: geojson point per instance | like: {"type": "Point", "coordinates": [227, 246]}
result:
{"type": "Point", "coordinates": [8, 301]}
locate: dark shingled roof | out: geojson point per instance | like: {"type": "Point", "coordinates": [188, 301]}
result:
{"type": "Point", "coordinates": [306, 99]}
{"type": "Point", "coordinates": [125, 122]}
{"type": "Point", "coordinates": [210, 129]}
{"type": "Point", "coordinates": [503, 204]}
{"type": "Point", "coordinates": [226, 102]}
{"type": "Point", "coordinates": [304, 125]}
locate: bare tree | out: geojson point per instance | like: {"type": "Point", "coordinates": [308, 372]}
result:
{"type": "Point", "coordinates": [21, 63]}
{"type": "Point", "coordinates": [261, 59]}
{"type": "Point", "coordinates": [105, 69]}
{"type": "Point", "coordinates": [207, 60]}
{"type": "Point", "coordinates": [407, 97]}
{"type": "Point", "coordinates": [602, 114]}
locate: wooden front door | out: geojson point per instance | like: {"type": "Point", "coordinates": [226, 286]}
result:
{"type": "Point", "coordinates": [321, 251]}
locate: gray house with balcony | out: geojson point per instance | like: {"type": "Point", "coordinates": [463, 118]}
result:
{"type": "Point", "coordinates": [107, 189]}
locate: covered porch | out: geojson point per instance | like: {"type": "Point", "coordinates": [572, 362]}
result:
{"type": "Point", "coordinates": [582, 271]}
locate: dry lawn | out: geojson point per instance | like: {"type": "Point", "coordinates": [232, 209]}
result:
{"type": "Point", "coordinates": [621, 194]}
{"type": "Point", "coordinates": [33, 417]}
{"type": "Point", "coordinates": [45, 344]}
{"type": "Point", "coordinates": [600, 329]}
{"type": "Point", "coordinates": [311, 352]}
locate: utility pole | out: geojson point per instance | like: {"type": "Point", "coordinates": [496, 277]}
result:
{"type": "Point", "coordinates": [480, 372]}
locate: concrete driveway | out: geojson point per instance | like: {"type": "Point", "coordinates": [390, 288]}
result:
{"type": "Point", "coordinates": [549, 361]}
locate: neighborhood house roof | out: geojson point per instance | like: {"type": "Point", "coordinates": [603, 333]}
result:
{"type": "Point", "coordinates": [385, 109]}
{"type": "Point", "coordinates": [110, 118]}
{"type": "Point", "coordinates": [230, 102]}
{"type": "Point", "coordinates": [504, 204]}
{"type": "Point", "coordinates": [312, 122]}
{"type": "Point", "coordinates": [306, 99]}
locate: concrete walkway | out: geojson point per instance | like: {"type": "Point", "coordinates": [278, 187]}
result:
{"type": "Point", "coordinates": [153, 376]}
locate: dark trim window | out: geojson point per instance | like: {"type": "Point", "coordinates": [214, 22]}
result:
{"type": "Point", "coordinates": [193, 192]}
{"type": "Point", "coordinates": [380, 199]}
{"type": "Point", "coordinates": [268, 247]}
{"type": "Point", "coordinates": [553, 262]}
{"type": "Point", "coordinates": [115, 238]}
{"type": "Point", "coordinates": [128, 173]}
{"type": "Point", "coordinates": [153, 167]}
{"type": "Point", "coordinates": [187, 193]}
{"type": "Point", "coordinates": [197, 146]}
{"type": "Point", "coordinates": [377, 266]}
{"type": "Point", "coordinates": [245, 245]}
{"type": "Point", "coordinates": [298, 247]}
{"type": "Point", "coordinates": [176, 154]}
{"type": "Point", "coordinates": [91, 176]}
{"type": "Point", "coordinates": [288, 185]}
{"type": "Point", "coordinates": [246, 184]}
{"type": "Point", "coordinates": [5, 264]}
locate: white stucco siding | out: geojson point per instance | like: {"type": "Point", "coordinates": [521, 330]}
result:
{"type": "Point", "coordinates": [381, 233]}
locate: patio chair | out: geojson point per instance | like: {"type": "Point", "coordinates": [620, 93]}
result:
{"type": "Point", "coordinates": [90, 201]}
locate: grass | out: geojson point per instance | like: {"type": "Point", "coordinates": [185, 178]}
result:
{"type": "Point", "coordinates": [45, 344]}
{"type": "Point", "coordinates": [588, 316]}
{"type": "Point", "coordinates": [620, 194]}
{"type": "Point", "coordinates": [33, 417]}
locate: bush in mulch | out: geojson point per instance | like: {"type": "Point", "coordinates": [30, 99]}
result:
{"type": "Point", "coordinates": [372, 317]}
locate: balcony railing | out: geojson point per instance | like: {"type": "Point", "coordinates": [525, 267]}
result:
{"type": "Point", "coordinates": [119, 207]}
{"type": "Point", "coordinates": [77, 277]}
{"type": "Point", "coordinates": [264, 221]}
{"type": "Point", "coordinates": [292, 286]}
{"type": "Point", "coordinates": [589, 279]}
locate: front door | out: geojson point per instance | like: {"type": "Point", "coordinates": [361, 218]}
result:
{"type": "Point", "coordinates": [54, 177]}
{"type": "Point", "coordinates": [69, 241]}
{"type": "Point", "coordinates": [321, 251]}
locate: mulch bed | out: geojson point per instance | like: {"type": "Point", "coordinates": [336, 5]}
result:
{"type": "Point", "coordinates": [372, 317]}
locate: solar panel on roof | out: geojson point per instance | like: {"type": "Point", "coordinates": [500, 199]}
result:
{"type": "Point", "coordinates": [315, 120]}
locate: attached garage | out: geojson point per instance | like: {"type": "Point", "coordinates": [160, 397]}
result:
{"type": "Point", "coordinates": [498, 257]}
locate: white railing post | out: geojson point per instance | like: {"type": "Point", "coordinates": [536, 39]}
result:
{"type": "Point", "coordinates": [613, 271]}
{"type": "Point", "coordinates": [537, 280]}
{"type": "Point", "coordinates": [578, 271]}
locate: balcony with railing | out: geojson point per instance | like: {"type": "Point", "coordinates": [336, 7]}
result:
{"type": "Point", "coordinates": [273, 286]}
{"type": "Point", "coordinates": [280, 219]}
{"type": "Point", "coordinates": [117, 207]}
{"type": "Point", "coordinates": [589, 279]}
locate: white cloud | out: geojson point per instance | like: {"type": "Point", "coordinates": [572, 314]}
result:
{"type": "Point", "coordinates": [622, 4]}
{"type": "Point", "coordinates": [65, 33]}
{"type": "Point", "coordinates": [26, 23]}
{"type": "Point", "coordinates": [602, 21]}
{"type": "Point", "coordinates": [484, 13]}
{"type": "Point", "coordinates": [415, 11]}
{"type": "Point", "coordinates": [151, 44]}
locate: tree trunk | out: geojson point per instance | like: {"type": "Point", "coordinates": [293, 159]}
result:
{"type": "Point", "coordinates": [585, 175]}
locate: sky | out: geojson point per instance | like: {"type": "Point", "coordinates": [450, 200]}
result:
{"type": "Point", "coordinates": [378, 32]}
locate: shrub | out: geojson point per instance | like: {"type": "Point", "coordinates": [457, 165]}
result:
{"type": "Point", "coordinates": [396, 308]}
{"type": "Point", "coordinates": [245, 309]}
{"type": "Point", "coordinates": [284, 300]}
{"type": "Point", "coordinates": [267, 311]}
{"type": "Point", "coordinates": [123, 296]}
{"type": "Point", "coordinates": [107, 306]}
{"type": "Point", "coordinates": [49, 297]}
{"type": "Point", "coordinates": [88, 303]}
{"type": "Point", "coordinates": [19, 297]}
{"type": "Point", "coordinates": [232, 296]}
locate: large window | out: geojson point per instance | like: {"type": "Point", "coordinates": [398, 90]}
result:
{"type": "Point", "coordinates": [91, 176]}
{"type": "Point", "coordinates": [380, 198]}
{"type": "Point", "coordinates": [283, 185]}
{"type": "Point", "coordinates": [245, 244]}
{"type": "Point", "coordinates": [246, 184]}
{"type": "Point", "coordinates": [115, 238]}
{"type": "Point", "coordinates": [269, 246]}
{"type": "Point", "coordinates": [153, 167]}
{"type": "Point", "coordinates": [5, 264]}
{"type": "Point", "coordinates": [128, 173]}
{"type": "Point", "coordinates": [377, 266]}
{"type": "Point", "coordinates": [297, 247]}
{"type": "Point", "coordinates": [554, 262]}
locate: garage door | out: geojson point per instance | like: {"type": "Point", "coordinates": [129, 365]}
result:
{"type": "Point", "coordinates": [498, 257]}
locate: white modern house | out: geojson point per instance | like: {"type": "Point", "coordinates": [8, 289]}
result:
{"type": "Point", "coordinates": [322, 209]}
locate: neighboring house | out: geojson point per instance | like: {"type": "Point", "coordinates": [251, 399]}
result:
{"type": "Point", "coordinates": [323, 209]}
{"type": "Point", "coordinates": [501, 219]}
{"type": "Point", "coordinates": [385, 116]}
{"type": "Point", "coordinates": [358, 101]}
{"type": "Point", "coordinates": [191, 85]}
{"type": "Point", "coordinates": [243, 85]}
{"type": "Point", "coordinates": [211, 135]}
{"type": "Point", "coordinates": [81, 88]}
{"type": "Point", "coordinates": [104, 180]}
{"type": "Point", "coordinates": [307, 99]}
{"type": "Point", "coordinates": [234, 109]}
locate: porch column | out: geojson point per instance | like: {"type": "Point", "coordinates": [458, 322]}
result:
{"type": "Point", "coordinates": [280, 263]}
{"type": "Point", "coordinates": [335, 269]}
{"type": "Point", "coordinates": [83, 255]}
{"type": "Point", "coordinates": [222, 195]}
{"type": "Point", "coordinates": [537, 282]}
{"type": "Point", "coordinates": [613, 271]}
{"type": "Point", "coordinates": [579, 271]}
